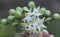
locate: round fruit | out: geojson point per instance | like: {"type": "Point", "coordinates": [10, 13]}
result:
{"type": "Point", "coordinates": [56, 16]}
{"type": "Point", "coordinates": [19, 9]}
{"type": "Point", "coordinates": [12, 12]}
{"type": "Point", "coordinates": [31, 4]}
{"type": "Point", "coordinates": [10, 17]}
{"type": "Point", "coordinates": [3, 21]}
{"type": "Point", "coordinates": [18, 14]}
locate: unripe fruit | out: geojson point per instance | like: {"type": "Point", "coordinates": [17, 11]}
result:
{"type": "Point", "coordinates": [3, 21]}
{"type": "Point", "coordinates": [10, 17]}
{"type": "Point", "coordinates": [19, 9]}
{"type": "Point", "coordinates": [12, 12]}
{"type": "Point", "coordinates": [31, 4]}
{"type": "Point", "coordinates": [25, 9]}
{"type": "Point", "coordinates": [14, 23]}
{"type": "Point", "coordinates": [18, 14]}
{"type": "Point", "coordinates": [48, 19]}
{"type": "Point", "coordinates": [48, 13]}
{"type": "Point", "coordinates": [56, 16]}
{"type": "Point", "coordinates": [43, 10]}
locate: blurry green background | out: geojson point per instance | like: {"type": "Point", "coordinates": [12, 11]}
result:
{"type": "Point", "coordinates": [52, 5]}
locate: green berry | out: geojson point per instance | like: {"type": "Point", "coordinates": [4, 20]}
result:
{"type": "Point", "coordinates": [43, 10]}
{"type": "Point", "coordinates": [12, 12]}
{"type": "Point", "coordinates": [48, 13]}
{"type": "Point", "coordinates": [56, 16]}
{"type": "Point", "coordinates": [19, 9]}
{"type": "Point", "coordinates": [3, 21]}
{"type": "Point", "coordinates": [31, 4]}
{"type": "Point", "coordinates": [18, 14]}
{"type": "Point", "coordinates": [25, 9]}
{"type": "Point", "coordinates": [48, 19]}
{"type": "Point", "coordinates": [10, 17]}
{"type": "Point", "coordinates": [14, 23]}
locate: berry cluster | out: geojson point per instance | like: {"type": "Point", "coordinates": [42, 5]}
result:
{"type": "Point", "coordinates": [31, 19]}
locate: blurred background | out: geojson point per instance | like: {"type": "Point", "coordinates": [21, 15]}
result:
{"type": "Point", "coordinates": [52, 5]}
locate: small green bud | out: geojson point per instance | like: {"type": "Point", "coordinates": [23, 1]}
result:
{"type": "Point", "coordinates": [43, 10]}
{"type": "Point", "coordinates": [56, 16]}
{"type": "Point", "coordinates": [25, 9]}
{"type": "Point", "coordinates": [31, 4]}
{"type": "Point", "coordinates": [18, 14]}
{"type": "Point", "coordinates": [3, 21]}
{"type": "Point", "coordinates": [10, 17]}
{"type": "Point", "coordinates": [19, 9]}
{"type": "Point", "coordinates": [12, 12]}
{"type": "Point", "coordinates": [48, 13]}
{"type": "Point", "coordinates": [14, 23]}
{"type": "Point", "coordinates": [48, 19]}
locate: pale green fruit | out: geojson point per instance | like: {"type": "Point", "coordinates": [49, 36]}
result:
{"type": "Point", "coordinates": [56, 16]}
{"type": "Point", "coordinates": [12, 12]}
{"type": "Point", "coordinates": [43, 10]}
{"type": "Point", "coordinates": [3, 21]}
{"type": "Point", "coordinates": [18, 14]}
{"type": "Point", "coordinates": [19, 9]}
{"type": "Point", "coordinates": [25, 9]}
{"type": "Point", "coordinates": [10, 17]}
{"type": "Point", "coordinates": [48, 13]}
{"type": "Point", "coordinates": [31, 4]}
{"type": "Point", "coordinates": [14, 23]}
{"type": "Point", "coordinates": [48, 19]}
